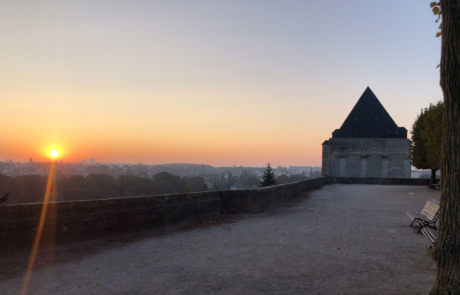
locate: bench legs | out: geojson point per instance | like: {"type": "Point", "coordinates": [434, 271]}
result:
{"type": "Point", "coordinates": [422, 224]}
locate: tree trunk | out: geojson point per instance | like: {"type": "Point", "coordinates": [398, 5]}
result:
{"type": "Point", "coordinates": [447, 244]}
{"type": "Point", "coordinates": [433, 177]}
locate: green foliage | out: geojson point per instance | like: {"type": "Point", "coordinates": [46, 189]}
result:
{"type": "Point", "coordinates": [418, 147]}
{"type": "Point", "coordinates": [432, 134]}
{"type": "Point", "coordinates": [427, 138]}
{"type": "Point", "coordinates": [436, 8]}
{"type": "Point", "coordinates": [31, 188]}
{"type": "Point", "coordinates": [269, 177]}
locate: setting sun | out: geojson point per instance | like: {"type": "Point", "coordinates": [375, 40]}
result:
{"type": "Point", "coordinates": [54, 153]}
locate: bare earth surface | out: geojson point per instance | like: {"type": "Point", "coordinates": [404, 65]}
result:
{"type": "Point", "coordinates": [340, 239]}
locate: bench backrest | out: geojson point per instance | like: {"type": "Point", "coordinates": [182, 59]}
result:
{"type": "Point", "coordinates": [435, 202]}
{"type": "Point", "coordinates": [431, 209]}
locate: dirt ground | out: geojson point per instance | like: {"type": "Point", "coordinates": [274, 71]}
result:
{"type": "Point", "coordinates": [340, 239]}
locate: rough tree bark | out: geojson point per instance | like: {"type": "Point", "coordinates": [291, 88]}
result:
{"type": "Point", "coordinates": [447, 245]}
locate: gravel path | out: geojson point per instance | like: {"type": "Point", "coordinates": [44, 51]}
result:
{"type": "Point", "coordinates": [340, 239]}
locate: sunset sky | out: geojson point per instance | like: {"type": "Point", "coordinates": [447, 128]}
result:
{"type": "Point", "coordinates": [214, 82]}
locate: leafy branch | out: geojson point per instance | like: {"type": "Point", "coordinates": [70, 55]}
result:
{"type": "Point", "coordinates": [436, 8]}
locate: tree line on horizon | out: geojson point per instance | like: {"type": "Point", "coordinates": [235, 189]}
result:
{"type": "Point", "coordinates": [268, 179]}
{"type": "Point", "coordinates": [31, 188]}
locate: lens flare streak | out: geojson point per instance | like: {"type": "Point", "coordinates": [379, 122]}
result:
{"type": "Point", "coordinates": [33, 255]}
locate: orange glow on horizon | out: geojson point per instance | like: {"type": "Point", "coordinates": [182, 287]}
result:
{"type": "Point", "coordinates": [219, 151]}
{"type": "Point", "coordinates": [188, 94]}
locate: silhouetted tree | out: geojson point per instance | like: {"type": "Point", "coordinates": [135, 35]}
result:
{"type": "Point", "coordinates": [269, 177]}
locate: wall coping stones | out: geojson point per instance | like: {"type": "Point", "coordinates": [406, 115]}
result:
{"type": "Point", "coordinates": [77, 218]}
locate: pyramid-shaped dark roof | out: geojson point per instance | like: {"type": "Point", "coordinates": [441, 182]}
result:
{"type": "Point", "coordinates": [369, 119]}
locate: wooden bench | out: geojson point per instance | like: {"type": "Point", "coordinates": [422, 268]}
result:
{"type": "Point", "coordinates": [427, 217]}
{"type": "Point", "coordinates": [430, 233]}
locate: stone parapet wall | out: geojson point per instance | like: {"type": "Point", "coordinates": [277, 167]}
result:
{"type": "Point", "coordinates": [259, 200]}
{"type": "Point", "coordinates": [73, 218]}
{"type": "Point", "coordinates": [382, 181]}
{"type": "Point", "coordinates": [83, 218]}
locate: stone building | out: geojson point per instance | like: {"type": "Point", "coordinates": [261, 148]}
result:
{"type": "Point", "coordinates": [369, 144]}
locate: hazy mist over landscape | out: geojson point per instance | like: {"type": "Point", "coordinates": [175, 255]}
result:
{"type": "Point", "coordinates": [229, 147]}
{"type": "Point", "coordinates": [204, 82]}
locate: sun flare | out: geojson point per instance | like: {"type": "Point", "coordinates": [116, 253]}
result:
{"type": "Point", "coordinates": [54, 153]}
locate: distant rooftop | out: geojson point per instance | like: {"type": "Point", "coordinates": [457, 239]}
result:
{"type": "Point", "coordinates": [369, 119]}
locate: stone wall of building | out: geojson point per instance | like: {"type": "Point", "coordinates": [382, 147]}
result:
{"type": "Point", "coordinates": [377, 158]}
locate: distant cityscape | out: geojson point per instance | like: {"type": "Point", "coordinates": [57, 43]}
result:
{"type": "Point", "coordinates": [208, 172]}
{"type": "Point", "coordinates": [92, 180]}
{"type": "Point", "coordinates": [12, 168]}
